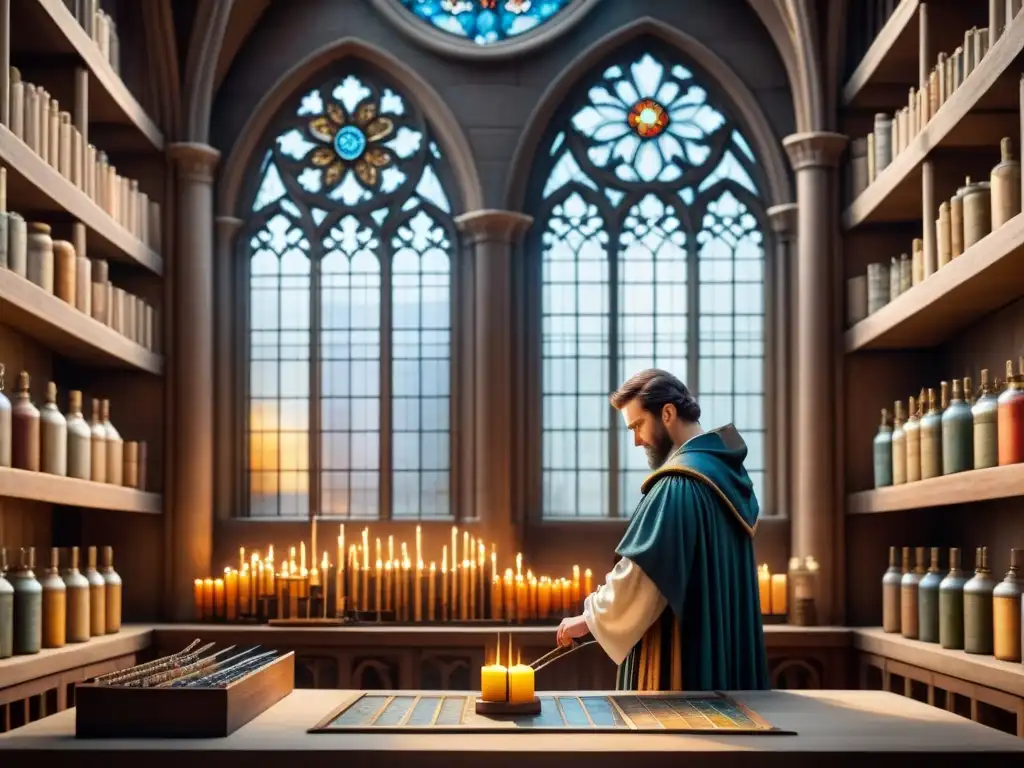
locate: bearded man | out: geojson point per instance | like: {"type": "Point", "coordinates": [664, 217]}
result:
{"type": "Point", "coordinates": [680, 610]}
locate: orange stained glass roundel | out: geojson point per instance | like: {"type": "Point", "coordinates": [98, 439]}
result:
{"type": "Point", "coordinates": [648, 118]}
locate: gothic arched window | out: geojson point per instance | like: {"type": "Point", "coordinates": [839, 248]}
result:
{"type": "Point", "coordinates": [650, 219]}
{"type": "Point", "coordinates": [350, 241]}
{"type": "Point", "coordinates": [486, 21]}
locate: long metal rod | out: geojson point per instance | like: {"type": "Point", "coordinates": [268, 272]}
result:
{"type": "Point", "coordinates": [559, 653]}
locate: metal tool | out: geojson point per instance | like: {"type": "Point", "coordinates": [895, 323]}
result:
{"type": "Point", "coordinates": [183, 658]}
{"type": "Point", "coordinates": [560, 652]}
{"type": "Point", "coordinates": [228, 674]}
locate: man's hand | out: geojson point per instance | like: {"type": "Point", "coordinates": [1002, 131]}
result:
{"type": "Point", "coordinates": [570, 629]}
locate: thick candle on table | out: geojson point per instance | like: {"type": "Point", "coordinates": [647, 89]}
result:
{"type": "Point", "coordinates": [779, 594]}
{"type": "Point", "coordinates": [764, 587]}
{"type": "Point", "coordinates": [494, 680]}
{"type": "Point", "coordinates": [520, 684]}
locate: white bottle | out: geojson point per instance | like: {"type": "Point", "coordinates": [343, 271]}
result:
{"type": "Point", "coordinates": [54, 435]}
{"type": "Point", "coordinates": [115, 447]}
{"type": "Point", "coordinates": [79, 439]}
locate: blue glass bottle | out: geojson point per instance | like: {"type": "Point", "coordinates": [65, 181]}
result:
{"type": "Point", "coordinates": [883, 452]}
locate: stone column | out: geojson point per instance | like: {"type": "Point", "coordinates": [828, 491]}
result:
{"type": "Point", "coordinates": [192, 383]}
{"type": "Point", "coordinates": [489, 342]}
{"type": "Point", "coordinates": [226, 371]}
{"type": "Point", "coordinates": [813, 523]}
{"type": "Point", "coordinates": [784, 226]}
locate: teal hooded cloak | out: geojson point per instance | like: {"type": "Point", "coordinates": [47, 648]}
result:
{"type": "Point", "coordinates": [692, 534]}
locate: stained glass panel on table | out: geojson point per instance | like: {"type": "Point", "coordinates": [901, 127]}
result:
{"type": "Point", "coordinates": [352, 227]}
{"type": "Point", "coordinates": [649, 184]}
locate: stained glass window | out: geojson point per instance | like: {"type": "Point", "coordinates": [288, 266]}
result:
{"type": "Point", "coordinates": [486, 21]}
{"type": "Point", "coordinates": [350, 246]}
{"type": "Point", "coordinates": [649, 219]}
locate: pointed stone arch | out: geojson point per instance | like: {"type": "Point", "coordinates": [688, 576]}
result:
{"type": "Point", "coordinates": [747, 112]}
{"type": "Point", "coordinates": [444, 125]}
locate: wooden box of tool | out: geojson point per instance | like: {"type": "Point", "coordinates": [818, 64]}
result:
{"type": "Point", "coordinates": [109, 711]}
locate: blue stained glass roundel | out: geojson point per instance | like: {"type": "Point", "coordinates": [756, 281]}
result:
{"type": "Point", "coordinates": [486, 21]}
{"type": "Point", "coordinates": [350, 143]}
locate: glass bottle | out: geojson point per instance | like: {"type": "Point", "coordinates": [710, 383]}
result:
{"type": "Point", "coordinates": [957, 429]}
{"type": "Point", "coordinates": [908, 592]}
{"type": "Point", "coordinates": [899, 446]}
{"type": "Point", "coordinates": [54, 604]}
{"type": "Point", "coordinates": [984, 417]}
{"type": "Point", "coordinates": [891, 593]}
{"type": "Point", "coordinates": [1010, 419]}
{"type": "Point", "coordinates": [931, 439]}
{"type": "Point", "coordinates": [912, 430]}
{"type": "Point", "coordinates": [928, 601]}
{"type": "Point", "coordinates": [79, 620]}
{"type": "Point", "coordinates": [951, 604]}
{"type": "Point", "coordinates": [1006, 601]}
{"type": "Point", "coordinates": [978, 607]}
{"type": "Point", "coordinates": [882, 449]}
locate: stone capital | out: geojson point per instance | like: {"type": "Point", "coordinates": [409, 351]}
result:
{"type": "Point", "coordinates": [195, 162]}
{"type": "Point", "coordinates": [491, 225]}
{"type": "Point", "coordinates": [815, 149]}
{"type": "Point", "coordinates": [783, 219]}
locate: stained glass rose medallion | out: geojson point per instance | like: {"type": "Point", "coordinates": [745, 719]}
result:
{"type": "Point", "coordinates": [351, 141]}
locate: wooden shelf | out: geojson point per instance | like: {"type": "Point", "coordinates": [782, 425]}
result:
{"type": "Point", "coordinates": [27, 308]}
{"type": "Point", "coordinates": [54, 661]}
{"type": "Point", "coordinates": [961, 488]}
{"type": "Point", "coordinates": [42, 28]}
{"type": "Point", "coordinates": [34, 188]}
{"type": "Point", "coordinates": [891, 60]}
{"type": "Point", "coordinates": [67, 491]}
{"type": "Point", "coordinates": [981, 670]}
{"type": "Point", "coordinates": [987, 276]}
{"type": "Point", "coordinates": [964, 121]}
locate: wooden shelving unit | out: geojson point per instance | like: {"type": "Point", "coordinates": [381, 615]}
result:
{"type": "Point", "coordinates": [961, 488]}
{"type": "Point", "coordinates": [961, 318]}
{"type": "Point", "coordinates": [67, 491]}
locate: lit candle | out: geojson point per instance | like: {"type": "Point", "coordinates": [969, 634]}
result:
{"type": "Point", "coordinates": [387, 586]}
{"type": "Point", "coordinates": [531, 583]}
{"type": "Point", "coordinates": [779, 594]}
{"type": "Point", "coordinates": [208, 598]}
{"type": "Point", "coordinates": [417, 590]}
{"type": "Point", "coordinates": [419, 544]}
{"type": "Point", "coordinates": [764, 579]}
{"type": "Point", "coordinates": [339, 573]}
{"type": "Point", "coordinates": [496, 601]}
{"type": "Point", "coordinates": [244, 587]}
{"type": "Point", "coordinates": [588, 582]}
{"type": "Point", "coordinates": [302, 556]}
{"type": "Point", "coordinates": [575, 586]}
{"type": "Point", "coordinates": [473, 596]}
{"type": "Point", "coordinates": [544, 597]}
{"type": "Point", "coordinates": [444, 583]}
{"type": "Point", "coordinates": [519, 563]}
{"type": "Point", "coordinates": [365, 594]}
{"type": "Point", "coordinates": [197, 599]}
{"type": "Point", "coordinates": [520, 683]}
{"type": "Point", "coordinates": [509, 595]}
{"type": "Point", "coordinates": [406, 577]}
{"type": "Point", "coordinates": [325, 573]}
{"type": "Point", "coordinates": [231, 593]}
{"type": "Point", "coordinates": [494, 679]}
{"type": "Point", "coordinates": [464, 590]}
{"type": "Point", "coordinates": [453, 563]}
{"type": "Point", "coordinates": [241, 557]}
{"type": "Point", "coordinates": [556, 597]}
{"type": "Point", "coordinates": [521, 599]}
{"type": "Point", "coordinates": [379, 583]}
{"type": "Point", "coordinates": [218, 598]}
{"type": "Point", "coordinates": [432, 593]}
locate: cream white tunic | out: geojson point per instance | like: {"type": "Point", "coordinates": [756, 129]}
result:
{"type": "Point", "coordinates": [623, 609]}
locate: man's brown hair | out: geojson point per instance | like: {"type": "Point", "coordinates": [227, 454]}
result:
{"type": "Point", "coordinates": [655, 389]}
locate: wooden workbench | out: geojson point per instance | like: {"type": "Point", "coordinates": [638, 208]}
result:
{"type": "Point", "coordinates": [844, 727]}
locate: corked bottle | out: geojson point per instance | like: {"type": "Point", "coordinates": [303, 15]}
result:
{"type": "Point", "coordinates": [65, 269]}
{"type": "Point", "coordinates": [908, 592]}
{"type": "Point", "coordinates": [957, 428]}
{"type": "Point", "coordinates": [79, 618]}
{"type": "Point", "coordinates": [24, 428]}
{"type": "Point", "coordinates": [97, 596]}
{"type": "Point", "coordinates": [931, 439]}
{"type": "Point", "coordinates": [6, 610]}
{"type": "Point", "coordinates": [1005, 185]}
{"type": "Point", "coordinates": [978, 607]}
{"type": "Point", "coordinates": [917, 261]}
{"type": "Point", "coordinates": [115, 447]}
{"type": "Point", "coordinates": [28, 605]}
{"type": "Point", "coordinates": [55, 604]}
{"type": "Point", "coordinates": [906, 273]}
{"type": "Point", "coordinates": [891, 593]}
{"type": "Point", "coordinates": [977, 212]}
{"type": "Point", "coordinates": [1010, 419]}
{"type": "Point", "coordinates": [17, 244]}
{"type": "Point", "coordinates": [984, 416]}
{"type": "Point", "coordinates": [5, 423]}
{"type": "Point", "coordinates": [943, 235]}
{"type": "Point", "coordinates": [882, 450]}
{"type": "Point", "coordinates": [54, 435]}
{"type": "Point", "coordinates": [113, 585]}
{"type": "Point", "coordinates": [912, 431]}
{"type": "Point", "coordinates": [883, 141]}
{"type": "Point", "coordinates": [99, 444]}
{"type": "Point", "coordinates": [899, 446]}
{"type": "Point", "coordinates": [928, 601]}
{"type": "Point", "coordinates": [1006, 613]}
{"type": "Point", "coordinates": [956, 225]}
{"type": "Point", "coordinates": [79, 439]}
{"type": "Point", "coordinates": [951, 604]}
{"type": "Point", "coordinates": [878, 287]}
{"type": "Point", "coordinates": [40, 256]}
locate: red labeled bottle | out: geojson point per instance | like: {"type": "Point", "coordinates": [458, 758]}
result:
{"type": "Point", "coordinates": [1010, 418]}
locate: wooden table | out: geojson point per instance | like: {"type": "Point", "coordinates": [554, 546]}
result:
{"type": "Point", "coordinates": [842, 727]}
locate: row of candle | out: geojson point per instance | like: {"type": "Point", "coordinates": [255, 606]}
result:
{"type": "Point", "coordinates": [391, 588]}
